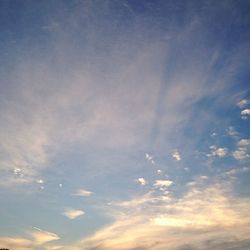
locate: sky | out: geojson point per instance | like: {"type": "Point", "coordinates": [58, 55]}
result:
{"type": "Point", "coordinates": [124, 125]}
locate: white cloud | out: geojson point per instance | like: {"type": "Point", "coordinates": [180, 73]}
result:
{"type": "Point", "coordinates": [244, 142]}
{"type": "Point", "coordinates": [242, 103]}
{"type": "Point", "coordinates": [220, 152]}
{"type": "Point", "coordinates": [238, 170]}
{"type": "Point", "coordinates": [245, 112]}
{"type": "Point", "coordinates": [148, 157]}
{"type": "Point", "coordinates": [83, 192]}
{"type": "Point", "coordinates": [16, 243]}
{"type": "Point", "coordinates": [163, 183]}
{"type": "Point", "coordinates": [240, 154]}
{"type": "Point", "coordinates": [176, 155]}
{"type": "Point", "coordinates": [175, 222]}
{"type": "Point", "coordinates": [232, 132]}
{"type": "Point", "coordinates": [142, 181]}
{"type": "Point", "coordinates": [73, 213]}
{"type": "Point", "coordinates": [40, 181]}
{"type": "Point", "coordinates": [203, 177]}
{"type": "Point", "coordinates": [40, 236]}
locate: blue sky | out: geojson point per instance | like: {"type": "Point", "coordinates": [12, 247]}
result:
{"type": "Point", "coordinates": [124, 125]}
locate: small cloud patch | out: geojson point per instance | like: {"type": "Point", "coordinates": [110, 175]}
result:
{"type": "Point", "coordinates": [163, 183]}
{"type": "Point", "coordinates": [245, 112]}
{"type": "Point", "coordinates": [242, 103]}
{"type": "Point", "coordinates": [142, 181]}
{"type": "Point", "coordinates": [73, 213]}
{"type": "Point", "coordinates": [219, 152]}
{"type": "Point", "coordinates": [83, 193]}
{"type": "Point", "coordinates": [176, 155]}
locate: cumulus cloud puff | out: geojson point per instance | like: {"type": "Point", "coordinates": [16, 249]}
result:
{"type": "Point", "coordinates": [219, 152]}
{"type": "Point", "coordinates": [142, 181]}
{"type": "Point", "coordinates": [163, 183]}
{"type": "Point", "coordinates": [245, 112]}
{"type": "Point", "coordinates": [73, 213]}
{"type": "Point", "coordinates": [240, 154]}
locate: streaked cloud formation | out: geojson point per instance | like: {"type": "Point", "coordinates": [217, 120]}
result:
{"type": "Point", "coordinates": [124, 125]}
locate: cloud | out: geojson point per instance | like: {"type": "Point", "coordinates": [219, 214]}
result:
{"type": "Point", "coordinates": [73, 213]}
{"type": "Point", "coordinates": [203, 177]}
{"type": "Point", "coordinates": [83, 193]}
{"type": "Point", "coordinates": [244, 142]}
{"type": "Point", "coordinates": [40, 181]}
{"type": "Point", "coordinates": [245, 112]}
{"type": "Point", "coordinates": [40, 236]}
{"type": "Point", "coordinates": [241, 154]}
{"type": "Point", "coordinates": [150, 158]}
{"type": "Point", "coordinates": [232, 132]}
{"type": "Point", "coordinates": [220, 152]}
{"type": "Point", "coordinates": [142, 181]}
{"type": "Point", "coordinates": [176, 155]}
{"type": "Point", "coordinates": [235, 171]}
{"type": "Point", "coordinates": [203, 217]}
{"type": "Point", "coordinates": [16, 243]}
{"type": "Point", "coordinates": [163, 183]}
{"type": "Point", "coordinates": [242, 103]}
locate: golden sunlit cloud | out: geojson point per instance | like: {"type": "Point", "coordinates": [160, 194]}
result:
{"type": "Point", "coordinates": [150, 222]}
